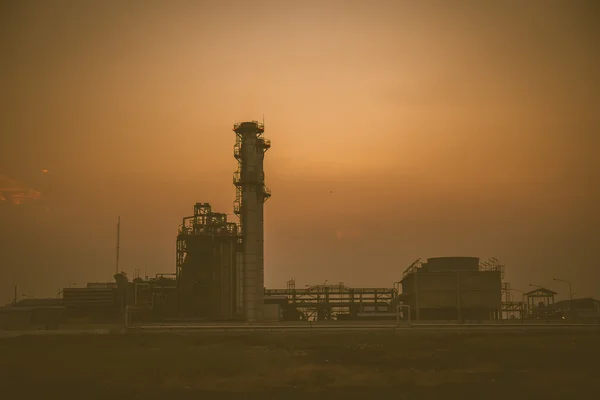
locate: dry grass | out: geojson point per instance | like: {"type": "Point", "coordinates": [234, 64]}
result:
{"type": "Point", "coordinates": [292, 365]}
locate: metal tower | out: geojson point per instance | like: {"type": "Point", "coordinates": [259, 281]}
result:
{"type": "Point", "coordinates": [251, 193]}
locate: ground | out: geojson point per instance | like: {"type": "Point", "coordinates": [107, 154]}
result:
{"type": "Point", "coordinates": [409, 365]}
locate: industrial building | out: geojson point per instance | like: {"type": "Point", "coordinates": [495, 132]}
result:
{"type": "Point", "coordinates": [452, 288]}
{"type": "Point", "coordinates": [220, 264]}
{"type": "Point", "coordinates": [219, 274]}
{"type": "Point", "coordinates": [576, 310]}
{"type": "Point", "coordinates": [95, 302]}
{"type": "Point", "coordinates": [206, 267]}
{"type": "Point", "coordinates": [219, 271]}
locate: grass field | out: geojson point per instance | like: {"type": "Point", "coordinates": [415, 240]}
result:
{"type": "Point", "coordinates": [296, 365]}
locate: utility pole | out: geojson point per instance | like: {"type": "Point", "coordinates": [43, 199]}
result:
{"type": "Point", "coordinates": [118, 242]}
{"type": "Point", "coordinates": [458, 305]}
{"type": "Point", "coordinates": [15, 300]}
{"type": "Point", "coordinates": [570, 288]}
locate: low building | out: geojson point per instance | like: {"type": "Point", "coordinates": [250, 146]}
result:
{"type": "Point", "coordinates": [537, 300]}
{"type": "Point", "coordinates": [575, 310]}
{"type": "Point", "coordinates": [23, 317]}
{"type": "Point", "coordinates": [452, 288]}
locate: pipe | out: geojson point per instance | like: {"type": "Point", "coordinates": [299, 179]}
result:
{"type": "Point", "coordinates": [398, 307]}
{"type": "Point", "coordinates": [165, 274]}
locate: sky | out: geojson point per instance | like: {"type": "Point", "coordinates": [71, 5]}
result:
{"type": "Point", "coordinates": [400, 130]}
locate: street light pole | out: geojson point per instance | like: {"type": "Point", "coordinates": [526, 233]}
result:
{"type": "Point", "coordinates": [538, 286]}
{"type": "Point", "coordinates": [570, 288]}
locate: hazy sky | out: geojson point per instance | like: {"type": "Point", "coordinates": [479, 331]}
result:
{"type": "Point", "coordinates": [399, 130]}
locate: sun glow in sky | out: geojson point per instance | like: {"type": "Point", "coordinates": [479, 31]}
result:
{"type": "Point", "coordinates": [399, 130]}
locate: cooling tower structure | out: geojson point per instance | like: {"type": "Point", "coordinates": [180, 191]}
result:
{"type": "Point", "coordinates": [207, 247]}
{"type": "Point", "coordinates": [251, 193]}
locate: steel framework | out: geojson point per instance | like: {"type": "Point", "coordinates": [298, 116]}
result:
{"type": "Point", "coordinates": [327, 302]}
{"type": "Point", "coordinates": [203, 222]}
{"type": "Point", "coordinates": [512, 309]}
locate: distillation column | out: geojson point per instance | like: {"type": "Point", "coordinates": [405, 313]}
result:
{"type": "Point", "coordinates": [251, 193]}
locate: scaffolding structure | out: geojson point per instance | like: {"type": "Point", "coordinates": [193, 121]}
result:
{"type": "Point", "coordinates": [251, 193]}
{"type": "Point", "coordinates": [492, 264]}
{"type": "Point", "coordinates": [512, 309]}
{"type": "Point", "coordinates": [330, 302]}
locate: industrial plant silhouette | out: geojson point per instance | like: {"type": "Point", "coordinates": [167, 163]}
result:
{"type": "Point", "coordinates": [219, 276]}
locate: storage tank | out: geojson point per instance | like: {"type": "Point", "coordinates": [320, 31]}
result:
{"type": "Point", "coordinates": [206, 269]}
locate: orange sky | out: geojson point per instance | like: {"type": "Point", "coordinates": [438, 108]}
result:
{"type": "Point", "coordinates": [400, 130]}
